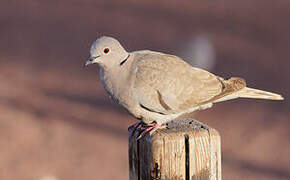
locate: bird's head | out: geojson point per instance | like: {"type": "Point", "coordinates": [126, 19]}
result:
{"type": "Point", "coordinates": [107, 52]}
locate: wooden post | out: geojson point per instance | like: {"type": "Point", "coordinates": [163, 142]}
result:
{"type": "Point", "coordinates": [187, 150]}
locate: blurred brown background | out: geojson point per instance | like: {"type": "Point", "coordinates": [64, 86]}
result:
{"type": "Point", "coordinates": [56, 122]}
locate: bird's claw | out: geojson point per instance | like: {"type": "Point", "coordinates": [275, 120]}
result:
{"type": "Point", "coordinates": [134, 127]}
{"type": "Point", "coordinates": [144, 128]}
{"type": "Point", "coordinates": [150, 128]}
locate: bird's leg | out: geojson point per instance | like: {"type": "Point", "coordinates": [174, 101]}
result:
{"type": "Point", "coordinates": [151, 128]}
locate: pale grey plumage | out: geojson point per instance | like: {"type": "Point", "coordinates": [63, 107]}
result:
{"type": "Point", "coordinates": [159, 87]}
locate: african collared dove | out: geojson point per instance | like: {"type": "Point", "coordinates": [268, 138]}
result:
{"type": "Point", "coordinates": [158, 87]}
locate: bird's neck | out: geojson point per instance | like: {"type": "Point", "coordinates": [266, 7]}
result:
{"type": "Point", "coordinates": [116, 79]}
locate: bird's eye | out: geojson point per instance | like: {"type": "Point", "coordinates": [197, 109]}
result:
{"type": "Point", "coordinates": [106, 50]}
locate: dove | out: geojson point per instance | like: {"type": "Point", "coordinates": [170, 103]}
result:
{"type": "Point", "coordinates": [156, 87]}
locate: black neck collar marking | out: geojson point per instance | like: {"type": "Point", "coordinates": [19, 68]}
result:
{"type": "Point", "coordinates": [125, 60]}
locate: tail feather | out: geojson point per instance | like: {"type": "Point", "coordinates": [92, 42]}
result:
{"type": "Point", "coordinates": [258, 94]}
{"type": "Point", "coordinates": [236, 87]}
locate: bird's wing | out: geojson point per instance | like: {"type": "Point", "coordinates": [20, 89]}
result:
{"type": "Point", "coordinates": [167, 84]}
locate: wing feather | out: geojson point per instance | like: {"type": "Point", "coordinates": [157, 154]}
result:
{"type": "Point", "coordinates": [167, 84]}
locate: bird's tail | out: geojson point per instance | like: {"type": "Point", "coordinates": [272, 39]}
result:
{"type": "Point", "coordinates": [258, 94]}
{"type": "Point", "coordinates": [236, 88]}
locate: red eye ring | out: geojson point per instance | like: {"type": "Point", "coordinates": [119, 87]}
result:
{"type": "Point", "coordinates": [106, 50]}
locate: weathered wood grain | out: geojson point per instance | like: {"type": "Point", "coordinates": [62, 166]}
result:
{"type": "Point", "coordinates": [180, 153]}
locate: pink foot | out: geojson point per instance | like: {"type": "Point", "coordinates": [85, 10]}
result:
{"type": "Point", "coordinates": [151, 128]}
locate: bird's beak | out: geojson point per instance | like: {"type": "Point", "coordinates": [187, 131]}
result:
{"type": "Point", "coordinates": [91, 60]}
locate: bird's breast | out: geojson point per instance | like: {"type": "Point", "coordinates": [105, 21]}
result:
{"type": "Point", "coordinates": [119, 86]}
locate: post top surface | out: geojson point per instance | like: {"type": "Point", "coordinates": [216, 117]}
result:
{"type": "Point", "coordinates": [179, 128]}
